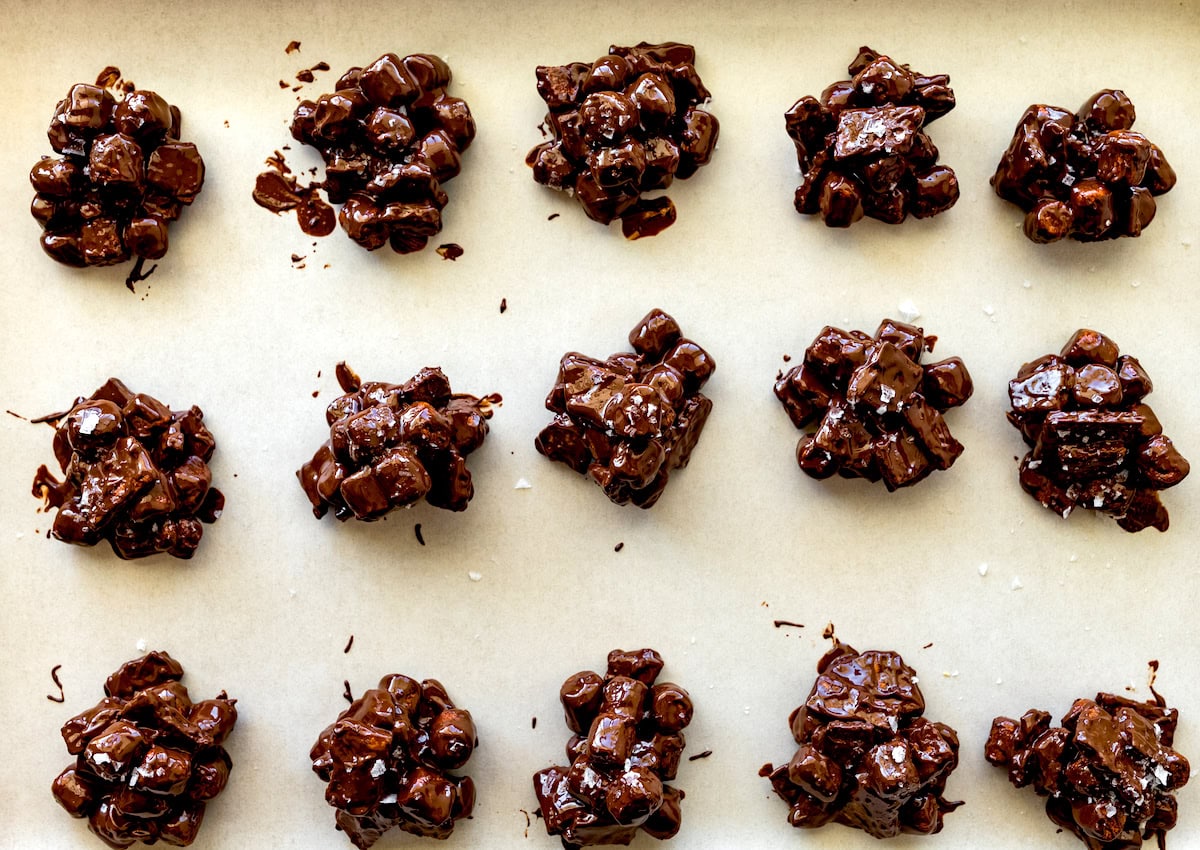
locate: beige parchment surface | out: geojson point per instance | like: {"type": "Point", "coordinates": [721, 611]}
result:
{"type": "Point", "coordinates": [740, 538]}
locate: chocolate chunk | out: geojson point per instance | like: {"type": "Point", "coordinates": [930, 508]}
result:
{"type": "Point", "coordinates": [627, 744]}
{"type": "Point", "coordinates": [120, 177]}
{"type": "Point", "coordinates": [388, 761]}
{"type": "Point", "coordinates": [862, 148]}
{"type": "Point", "coordinates": [390, 136]}
{"type": "Point", "coordinates": [868, 758]}
{"type": "Point", "coordinates": [626, 124]}
{"type": "Point", "coordinates": [148, 759]}
{"type": "Point", "coordinates": [135, 474]}
{"type": "Point", "coordinates": [1087, 175]}
{"type": "Point", "coordinates": [1109, 773]}
{"type": "Point", "coordinates": [1093, 443]}
{"type": "Point", "coordinates": [629, 420]}
{"type": "Point", "coordinates": [391, 445]}
{"type": "Point", "coordinates": [880, 410]}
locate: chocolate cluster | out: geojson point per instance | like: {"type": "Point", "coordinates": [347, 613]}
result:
{"type": "Point", "coordinates": [1108, 774]}
{"type": "Point", "coordinates": [1094, 442]}
{"type": "Point", "coordinates": [627, 744]}
{"type": "Point", "coordinates": [388, 760]}
{"type": "Point", "coordinates": [867, 757]}
{"type": "Point", "coordinates": [147, 758]}
{"type": "Point", "coordinates": [135, 474]}
{"type": "Point", "coordinates": [880, 410]}
{"type": "Point", "coordinates": [629, 420]}
{"type": "Point", "coordinates": [390, 136]}
{"type": "Point", "coordinates": [121, 175]}
{"type": "Point", "coordinates": [391, 445]}
{"type": "Point", "coordinates": [862, 148]}
{"type": "Point", "coordinates": [628, 123]}
{"type": "Point", "coordinates": [1086, 175]}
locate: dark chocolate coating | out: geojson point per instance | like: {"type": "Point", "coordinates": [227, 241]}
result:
{"type": "Point", "coordinates": [880, 410]}
{"type": "Point", "coordinates": [390, 137]}
{"type": "Point", "coordinates": [135, 474]}
{"type": "Point", "coordinates": [627, 744]}
{"type": "Point", "coordinates": [1108, 773]}
{"type": "Point", "coordinates": [391, 445]}
{"type": "Point", "coordinates": [868, 758]}
{"type": "Point", "coordinates": [387, 761]}
{"type": "Point", "coordinates": [862, 146]}
{"type": "Point", "coordinates": [121, 176]}
{"type": "Point", "coordinates": [1085, 175]}
{"type": "Point", "coordinates": [147, 758]}
{"type": "Point", "coordinates": [629, 420]}
{"type": "Point", "coordinates": [1094, 442]}
{"type": "Point", "coordinates": [628, 123]}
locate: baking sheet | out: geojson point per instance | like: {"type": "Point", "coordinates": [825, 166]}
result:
{"type": "Point", "coordinates": [741, 537]}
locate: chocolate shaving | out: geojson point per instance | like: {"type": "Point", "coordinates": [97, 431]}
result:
{"type": "Point", "coordinates": [346, 693]}
{"type": "Point", "coordinates": [552, 216]}
{"type": "Point", "coordinates": [781, 623]}
{"type": "Point", "coordinates": [503, 305]}
{"type": "Point", "coordinates": [699, 756]}
{"type": "Point", "coordinates": [293, 47]}
{"type": "Point", "coordinates": [619, 546]}
{"type": "Point", "coordinates": [533, 723]}
{"type": "Point", "coordinates": [417, 531]}
{"type": "Point", "coordinates": [349, 644]}
{"type": "Point", "coordinates": [61, 698]}
{"type": "Point", "coordinates": [17, 415]}
{"type": "Point", "coordinates": [926, 646]}
{"type": "Point", "coordinates": [109, 77]}
{"type": "Point", "coordinates": [450, 251]}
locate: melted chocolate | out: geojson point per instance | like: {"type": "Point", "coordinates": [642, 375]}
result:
{"type": "Point", "coordinates": [628, 123]}
{"type": "Point", "coordinates": [630, 420]}
{"type": "Point", "coordinates": [121, 176]}
{"type": "Point", "coordinates": [626, 745]}
{"type": "Point", "coordinates": [880, 411]}
{"type": "Point", "coordinates": [387, 762]}
{"type": "Point", "coordinates": [868, 758]}
{"type": "Point", "coordinates": [147, 758]}
{"type": "Point", "coordinates": [1109, 773]}
{"type": "Point", "coordinates": [391, 445]}
{"type": "Point", "coordinates": [1095, 443]}
{"type": "Point", "coordinates": [862, 146]}
{"type": "Point", "coordinates": [135, 474]}
{"type": "Point", "coordinates": [1085, 175]}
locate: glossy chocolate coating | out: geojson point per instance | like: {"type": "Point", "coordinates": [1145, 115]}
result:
{"type": "Point", "coordinates": [867, 758]}
{"type": "Point", "coordinates": [862, 146]}
{"type": "Point", "coordinates": [392, 444]}
{"type": "Point", "coordinates": [388, 759]}
{"type": "Point", "coordinates": [135, 474]}
{"type": "Point", "coordinates": [880, 411]}
{"type": "Point", "coordinates": [390, 136]}
{"type": "Point", "coordinates": [1108, 774]}
{"type": "Point", "coordinates": [1085, 175]}
{"type": "Point", "coordinates": [147, 758]}
{"type": "Point", "coordinates": [628, 123]}
{"type": "Point", "coordinates": [629, 420]}
{"type": "Point", "coordinates": [1094, 442]}
{"type": "Point", "coordinates": [627, 743]}
{"type": "Point", "coordinates": [121, 175]}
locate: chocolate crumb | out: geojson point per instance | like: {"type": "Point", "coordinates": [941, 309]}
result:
{"type": "Point", "coordinates": [108, 78]}
{"type": "Point", "coordinates": [17, 415]}
{"type": "Point", "coordinates": [450, 251]}
{"type": "Point", "coordinates": [298, 257]}
{"type": "Point", "coordinates": [699, 756]}
{"type": "Point", "coordinates": [305, 76]}
{"type": "Point", "coordinates": [283, 84]}
{"type": "Point", "coordinates": [316, 393]}
{"type": "Point", "coordinates": [349, 644]}
{"type": "Point", "coordinates": [293, 47]}
{"type": "Point", "coordinates": [135, 274]}
{"type": "Point", "coordinates": [828, 632]}
{"type": "Point", "coordinates": [619, 546]}
{"type": "Point", "coordinates": [926, 646]}
{"type": "Point", "coordinates": [346, 693]}
{"type": "Point", "coordinates": [781, 623]}
{"type": "Point", "coordinates": [787, 358]}
{"type": "Point", "coordinates": [318, 373]}
{"type": "Point", "coordinates": [417, 531]}
{"type": "Point", "coordinates": [552, 216]}
{"type": "Point", "coordinates": [503, 305]}
{"type": "Point", "coordinates": [226, 123]}
{"type": "Point", "coordinates": [61, 698]}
